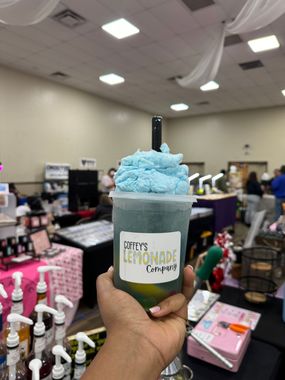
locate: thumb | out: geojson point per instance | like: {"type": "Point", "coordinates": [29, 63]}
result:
{"type": "Point", "coordinates": [104, 284]}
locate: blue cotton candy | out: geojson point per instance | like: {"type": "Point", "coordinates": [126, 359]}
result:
{"type": "Point", "coordinates": [153, 172]}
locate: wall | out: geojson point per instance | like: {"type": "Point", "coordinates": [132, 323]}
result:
{"type": "Point", "coordinates": [219, 138]}
{"type": "Point", "coordinates": [42, 121]}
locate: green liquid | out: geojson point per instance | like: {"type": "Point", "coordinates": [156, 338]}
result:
{"type": "Point", "coordinates": [150, 217]}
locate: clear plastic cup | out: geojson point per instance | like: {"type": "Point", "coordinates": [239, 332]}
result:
{"type": "Point", "coordinates": [150, 238]}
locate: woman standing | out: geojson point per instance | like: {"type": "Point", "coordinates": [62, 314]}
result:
{"type": "Point", "coordinates": [254, 194]}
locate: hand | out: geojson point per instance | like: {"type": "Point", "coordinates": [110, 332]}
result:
{"type": "Point", "coordinates": [150, 341]}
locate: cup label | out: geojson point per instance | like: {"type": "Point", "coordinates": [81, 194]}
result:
{"type": "Point", "coordinates": [149, 258]}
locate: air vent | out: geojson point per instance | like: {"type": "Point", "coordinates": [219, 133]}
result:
{"type": "Point", "coordinates": [203, 103]}
{"type": "Point", "coordinates": [59, 75]}
{"type": "Point", "coordinates": [194, 5]}
{"type": "Point", "coordinates": [251, 65]}
{"type": "Point", "coordinates": [232, 40]}
{"type": "Point", "coordinates": [69, 18]}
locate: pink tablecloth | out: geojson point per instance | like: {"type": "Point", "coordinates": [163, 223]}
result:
{"type": "Point", "coordinates": [67, 282]}
{"type": "Point", "coordinates": [29, 283]}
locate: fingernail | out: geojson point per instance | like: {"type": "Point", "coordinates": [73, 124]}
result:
{"type": "Point", "coordinates": [111, 268]}
{"type": "Point", "coordinates": [190, 266]}
{"type": "Point", "coordinates": [154, 309]}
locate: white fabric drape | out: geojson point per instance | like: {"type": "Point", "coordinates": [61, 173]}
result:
{"type": "Point", "coordinates": [254, 15]}
{"type": "Point", "coordinates": [25, 12]}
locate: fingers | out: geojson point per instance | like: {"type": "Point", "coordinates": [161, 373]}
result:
{"type": "Point", "coordinates": [170, 305]}
{"type": "Point", "coordinates": [188, 283]}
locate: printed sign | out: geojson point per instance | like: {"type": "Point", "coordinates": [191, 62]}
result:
{"type": "Point", "coordinates": [87, 163]}
{"type": "Point", "coordinates": [149, 258]}
{"type": "Point", "coordinates": [56, 171]}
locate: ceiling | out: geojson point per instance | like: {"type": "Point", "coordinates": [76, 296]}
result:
{"type": "Point", "coordinates": [170, 43]}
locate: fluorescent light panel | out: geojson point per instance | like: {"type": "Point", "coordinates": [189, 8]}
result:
{"type": "Point", "coordinates": [111, 79]}
{"type": "Point", "coordinates": [264, 43]}
{"type": "Point", "coordinates": [179, 107]}
{"type": "Point", "coordinates": [283, 92]}
{"type": "Point", "coordinates": [120, 28]}
{"type": "Point", "coordinates": [210, 86]}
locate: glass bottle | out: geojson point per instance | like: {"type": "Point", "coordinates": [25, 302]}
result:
{"type": "Point", "coordinates": [40, 350]}
{"type": "Point", "coordinates": [42, 299]}
{"type": "Point", "coordinates": [60, 333]}
{"type": "Point", "coordinates": [18, 308]}
{"type": "Point", "coordinates": [15, 369]}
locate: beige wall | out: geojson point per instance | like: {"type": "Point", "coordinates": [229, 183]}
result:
{"type": "Point", "coordinates": [219, 138]}
{"type": "Point", "coordinates": [42, 121]}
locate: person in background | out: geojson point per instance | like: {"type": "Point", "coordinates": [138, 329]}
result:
{"type": "Point", "coordinates": [221, 183]}
{"type": "Point", "coordinates": [108, 181]}
{"type": "Point", "coordinates": [13, 189]}
{"type": "Point", "coordinates": [254, 194]}
{"type": "Point", "coordinates": [104, 209]}
{"type": "Point", "coordinates": [278, 189]}
{"type": "Point", "coordinates": [139, 344]}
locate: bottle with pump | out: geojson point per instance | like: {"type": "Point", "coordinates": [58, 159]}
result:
{"type": "Point", "coordinates": [42, 298]}
{"type": "Point", "coordinates": [58, 371]}
{"type": "Point", "coordinates": [16, 369]}
{"type": "Point", "coordinates": [35, 365]}
{"type": "Point", "coordinates": [80, 356]}
{"type": "Point", "coordinates": [2, 344]}
{"type": "Point", "coordinates": [40, 350]}
{"type": "Point", "coordinates": [60, 338]}
{"type": "Point", "coordinates": [18, 308]}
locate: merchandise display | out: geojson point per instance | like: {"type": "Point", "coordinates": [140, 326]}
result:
{"type": "Point", "coordinates": [89, 234]}
{"type": "Point", "coordinates": [3, 353]}
{"type": "Point", "coordinates": [58, 370]}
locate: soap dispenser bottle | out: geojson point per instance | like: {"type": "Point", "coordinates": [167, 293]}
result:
{"type": "Point", "coordinates": [60, 333]}
{"type": "Point", "coordinates": [58, 371]}
{"type": "Point", "coordinates": [34, 366]}
{"type": "Point", "coordinates": [16, 369]}
{"type": "Point", "coordinates": [80, 356]}
{"type": "Point", "coordinates": [40, 350]}
{"type": "Point", "coordinates": [2, 344]}
{"type": "Point", "coordinates": [42, 298]}
{"type": "Point", "coordinates": [18, 308]}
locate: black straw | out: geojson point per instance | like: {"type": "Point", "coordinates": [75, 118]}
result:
{"type": "Point", "coordinates": [156, 132]}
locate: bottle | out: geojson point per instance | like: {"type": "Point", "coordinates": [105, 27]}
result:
{"type": "Point", "coordinates": [80, 355]}
{"type": "Point", "coordinates": [2, 345]}
{"type": "Point", "coordinates": [42, 298]}
{"type": "Point", "coordinates": [18, 308]}
{"type": "Point", "coordinates": [60, 338]}
{"type": "Point", "coordinates": [15, 369]}
{"type": "Point", "coordinates": [40, 350]}
{"type": "Point", "coordinates": [35, 365]}
{"type": "Point", "coordinates": [58, 370]}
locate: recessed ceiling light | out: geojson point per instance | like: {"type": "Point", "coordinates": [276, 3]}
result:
{"type": "Point", "coordinates": [264, 43]}
{"type": "Point", "coordinates": [210, 86]}
{"type": "Point", "coordinates": [120, 28]}
{"type": "Point", "coordinates": [179, 107]}
{"type": "Point", "coordinates": [111, 79]}
{"type": "Point", "coordinates": [283, 92]}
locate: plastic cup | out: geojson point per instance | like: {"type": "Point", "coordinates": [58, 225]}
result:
{"type": "Point", "coordinates": [150, 238]}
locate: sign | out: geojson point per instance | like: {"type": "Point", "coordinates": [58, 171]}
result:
{"type": "Point", "coordinates": [87, 163]}
{"type": "Point", "coordinates": [56, 171]}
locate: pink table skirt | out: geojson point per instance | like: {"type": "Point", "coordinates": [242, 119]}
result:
{"type": "Point", "coordinates": [67, 282]}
